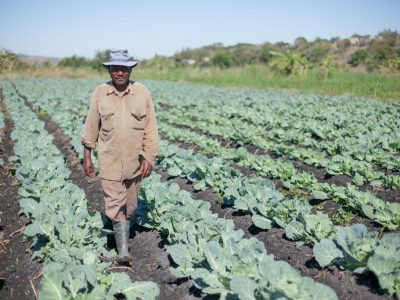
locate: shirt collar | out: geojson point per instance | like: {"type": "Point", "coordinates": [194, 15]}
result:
{"type": "Point", "coordinates": [112, 90]}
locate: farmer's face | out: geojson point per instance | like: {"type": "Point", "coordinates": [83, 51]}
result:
{"type": "Point", "coordinates": [120, 75]}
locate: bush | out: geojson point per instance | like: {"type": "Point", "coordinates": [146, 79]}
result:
{"type": "Point", "coordinates": [394, 64]}
{"type": "Point", "coordinates": [359, 57]}
{"type": "Point", "coordinates": [372, 65]}
{"type": "Point", "coordinates": [327, 66]}
{"type": "Point", "coordinates": [74, 62]}
{"type": "Point", "coordinates": [10, 62]}
{"type": "Point", "coordinates": [290, 63]}
{"type": "Point", "coordinates": [222, 60]}
{"type": "Point", "coordinates": [266, 53]}
{"type": "Point", "coordinates": [99, 58]}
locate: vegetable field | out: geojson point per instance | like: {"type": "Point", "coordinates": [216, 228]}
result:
{"type": "Point", "coordinates": [256, 195]}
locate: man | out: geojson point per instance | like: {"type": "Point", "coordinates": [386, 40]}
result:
{"type": "Point", "coordinates": [121, 122]}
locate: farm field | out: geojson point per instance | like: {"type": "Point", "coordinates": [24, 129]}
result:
{"type": "Point", "coordinates": [256, 195]}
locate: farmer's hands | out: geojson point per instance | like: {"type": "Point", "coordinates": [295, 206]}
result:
{"type": "Point", "coordinates": [88, 167]}
{"type": "Point", "coordinates": [145, 168]}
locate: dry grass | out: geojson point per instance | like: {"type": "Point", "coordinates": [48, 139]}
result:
{"type": "Point", "coordinates": [58, 72]}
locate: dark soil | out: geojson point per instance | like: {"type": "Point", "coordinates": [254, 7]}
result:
{"type": "Point", "coordinates": [18, 273]}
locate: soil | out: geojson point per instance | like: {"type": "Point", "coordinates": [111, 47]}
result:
{"type": "Point", "coordinates": [18, 273]}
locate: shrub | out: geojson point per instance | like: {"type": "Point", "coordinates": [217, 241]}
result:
{"type": "Point", "coordinates": [10, 62]}
{"type": "Point", "coordinates": [74, 62]}
{"type": "Point", "coordinates": [290, 63]}
{"type": "Point", "coordinates": [222, 60]}
{"type": "Point", "coordinates": [359, 57]}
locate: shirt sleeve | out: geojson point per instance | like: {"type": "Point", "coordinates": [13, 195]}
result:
{"type": "Point", "coordinates": [151, 143]}
{"type": "Point", "coordinates": [90, 133]}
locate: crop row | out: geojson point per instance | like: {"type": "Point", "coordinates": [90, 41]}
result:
{"type": "Point", "coordinates": [362, 170]}
{"type": "Point", "coordinates": [65, 236]}
{"type": "Point", "coordinates": [375, 208]}
{"type": "Point", "coordinates": [357, 128]}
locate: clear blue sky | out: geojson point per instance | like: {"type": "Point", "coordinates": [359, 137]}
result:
{"type": "Point", "coordinates": [62, 28]}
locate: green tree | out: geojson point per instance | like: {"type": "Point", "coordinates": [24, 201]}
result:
{"type": "Point", "coordinates": [245, 54]}
{"type": "Point", "coordinates": [327, 66]}
{"type": "Point", "coordinates": [319, 50]}
{"type": "Point", "coordinates": [343, 44]}
{"type": "Point", "coordinates": [74, 62]}
{"type": "Point", "coordinates": [384, 46]}
{"type": "Point", "coordinates": [266, 53]}
{"type": "Point", "coordinates": [9, 62]}
{"type": "Point", "coordinates": [359, 57]}
{"type": "Point", "coordinates": [290, 63]}
{"type": "Point", "coordinates": [47, 64]}
{"type": "Point", "coordinates": [100, 57]}
{"type": "Point", "coordinates": [394, 64]}
{"type": "Point", "coordinates": [300, 43]}
{"type": "Point", "coordinates": [222, 60]}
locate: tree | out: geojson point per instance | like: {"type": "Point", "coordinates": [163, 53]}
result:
{"type": "Point", "coordinates": [100, 57]}
{"type": "Point", "coordinates": [319, 50]}
{"type": "Point", "coordinates": [359, 57]}
{"type": "Point", "coordinates": [47, 64]}
{"type": "Point", "coordinates": [343, 44]}
{"type": "Point", "coordinates": [290, 63]}
{"type": "Point", "coordinates": [74, 62]}
{"type": "Point", "coordinates": [385, 46]}
{"type": "Point", "coordinates": [10, 61]}
{"type": "Point", "coordinates": [300, 43]}
{"type": "Point", "coordinates": [394, 64]}
{"type": "Point", "coordinates": [266, 53]}
{"type": "Point", "coordinates": [222, 60]}
{"type": "Point", "coordinates": [327, 66]}
{"type": "Point", "coordinates": [244, 54]}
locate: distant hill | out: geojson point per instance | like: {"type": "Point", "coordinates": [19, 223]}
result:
{"type": "Point", "coordinates": [39, 60]}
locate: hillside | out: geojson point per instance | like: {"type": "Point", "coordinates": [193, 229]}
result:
{"type": "Point", "coordinates": [39, 60]}
{"type": "Point", "coordinates": [358, 52]}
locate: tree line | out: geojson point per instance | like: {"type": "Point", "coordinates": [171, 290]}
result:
{"type": "Point", "coordinates": [361, 52]}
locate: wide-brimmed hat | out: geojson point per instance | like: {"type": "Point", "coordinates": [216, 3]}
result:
{"type": "Point", "coordinates": [120, 58]}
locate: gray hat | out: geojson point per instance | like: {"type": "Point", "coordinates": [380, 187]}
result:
{"type": "Point", "coordinates": [120, 58]}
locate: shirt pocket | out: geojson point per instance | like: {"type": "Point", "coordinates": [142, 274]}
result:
{"type": "Point", "coordinates": [107, 121]}
{"type": "Point", "coordinates": [138, 120]}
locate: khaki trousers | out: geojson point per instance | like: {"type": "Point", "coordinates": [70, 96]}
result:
{"type": "Point", "coordinates": [120, 197]}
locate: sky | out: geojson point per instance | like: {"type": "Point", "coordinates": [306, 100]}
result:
{"type": "Point", "coordinates": [62, 28]}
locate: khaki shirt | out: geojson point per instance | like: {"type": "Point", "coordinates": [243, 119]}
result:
{"type": "Point", "coordinates": [123, 126]}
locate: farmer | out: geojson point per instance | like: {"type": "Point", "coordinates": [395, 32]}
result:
{"type": "Point", "coordinates": [121, 122]}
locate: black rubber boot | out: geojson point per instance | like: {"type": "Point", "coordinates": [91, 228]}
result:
{"type": "Point", "coordinates": [121, 230]}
